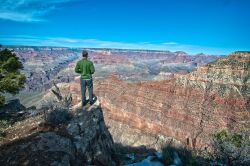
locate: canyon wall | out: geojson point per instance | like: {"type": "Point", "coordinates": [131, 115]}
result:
{"type": "Point", "coordinates": [188, 108]}
{"type": "Point", "coordinates": [43, 64]}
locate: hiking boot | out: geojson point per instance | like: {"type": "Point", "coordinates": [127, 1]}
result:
{"type": "Point", "coordinates": [84, 104]}
{"type": "Point", "coordinates": [94, 100]}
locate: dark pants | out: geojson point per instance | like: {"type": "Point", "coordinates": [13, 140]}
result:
{"type": "Point", "coordinates": [89, 84]}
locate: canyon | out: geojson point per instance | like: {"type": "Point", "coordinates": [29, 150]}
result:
{"type": "Point", "coordinates": [145, 99]}
{"type": "Point", "coordinates": [45, 65]}
{"type": "Point", "coordinates": [153, 96]}
{"type": "Point", "coordinates": [42, 65]}
{"type": "Point", "coordinates": [188, 108]}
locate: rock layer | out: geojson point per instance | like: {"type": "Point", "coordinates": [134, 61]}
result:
{"type": "Point", "coordinates": [42, 65]}
{"type": "Point", "coordinates": [188, 108]}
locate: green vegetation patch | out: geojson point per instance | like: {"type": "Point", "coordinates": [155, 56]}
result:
{"type": "Point", "coordinates": [5, 122]}
{"type": "Point", "coordinates": [169, 154]}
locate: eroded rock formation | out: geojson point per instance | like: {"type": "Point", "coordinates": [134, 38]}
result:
{"type": "Point", "coordinates": [43, 64]}
{"type": "Point", "coordinates": [188, 108]}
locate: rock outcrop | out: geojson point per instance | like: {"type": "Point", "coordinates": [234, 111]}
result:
{"type": "Point", "coordinates": [85, 140]}
{"type": "Point", "coordinates": [226, 75]}
{"type": "Point", "coordinates": [188, 109]}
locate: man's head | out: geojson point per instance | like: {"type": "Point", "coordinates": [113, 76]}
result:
{"type": "Point", "coordinates": [84, 54]}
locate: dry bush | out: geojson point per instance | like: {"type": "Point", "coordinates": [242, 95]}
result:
{"type": "Point", "coordinates": [57, 109]}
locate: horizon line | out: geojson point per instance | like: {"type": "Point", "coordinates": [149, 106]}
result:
{"type": "Point", "coordinates": [110, 48]}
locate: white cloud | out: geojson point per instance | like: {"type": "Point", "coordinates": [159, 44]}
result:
{"type": "Point", "coordinates": [95, 43]}
{"type": "Point", "coordinates": [27, 10]}
{"type": "Point", "coordinates": [22, 17]}
{"type": "Point", "coordinates": [170, 43]}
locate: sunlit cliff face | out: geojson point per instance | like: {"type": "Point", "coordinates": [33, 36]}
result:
{"type": "Point", "coordinates": [187, 108]}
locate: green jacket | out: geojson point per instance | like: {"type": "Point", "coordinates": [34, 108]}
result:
{"type": "Point", "coordinates": [85, 68]}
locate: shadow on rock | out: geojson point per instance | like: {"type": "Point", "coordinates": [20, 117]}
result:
{"type": "Point", "coordinates": [85, 140]}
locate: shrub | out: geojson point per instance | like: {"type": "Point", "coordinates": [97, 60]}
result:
{"type": "Point", "coordinates": [170, 156]}
{"type": "Point", "coordinates": [11, 80]}
{"type": "Point", "coordinates": [231, 148]}
{"type": "Point", "coordinates": [57, 116]}
{"type": "Point", "coordinates": [5, 122]}
{"type": "Point", "coordinates": [57, 109]}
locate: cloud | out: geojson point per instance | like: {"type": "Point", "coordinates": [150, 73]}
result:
{"type": "Point", "coordinates": [170, 43]}
{"type": "Point", "coordinates": [95, 43]}
{"type": "Point", "coordinates": [27, 10]}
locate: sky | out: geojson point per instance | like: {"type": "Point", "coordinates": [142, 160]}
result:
{"type": "Point", "coordinates": [195, 26]}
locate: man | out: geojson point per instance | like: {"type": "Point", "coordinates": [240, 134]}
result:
{"type": "Point", "coordinates": [86, 68]}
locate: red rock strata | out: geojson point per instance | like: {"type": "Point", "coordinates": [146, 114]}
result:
{"type": "Point", "coordinates": [178, 108]}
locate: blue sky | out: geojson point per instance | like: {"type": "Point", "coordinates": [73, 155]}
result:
{"type": "Point", "coordinates": [194, 26]}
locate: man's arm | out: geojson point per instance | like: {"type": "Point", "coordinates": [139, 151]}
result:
{"type": "Point", "coordinates": [92, 68]}
{"type": "Point", "coordinates": [77, 68]}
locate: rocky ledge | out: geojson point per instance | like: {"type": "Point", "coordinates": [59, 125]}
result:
{"type": "Point", "coordinates": [85, 140]}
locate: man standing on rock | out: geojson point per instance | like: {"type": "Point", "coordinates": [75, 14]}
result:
{"type": "Point", "coordinates": [86, 68]}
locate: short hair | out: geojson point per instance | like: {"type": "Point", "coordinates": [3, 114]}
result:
{"type": "Point", "coordinates": [84, 53]}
